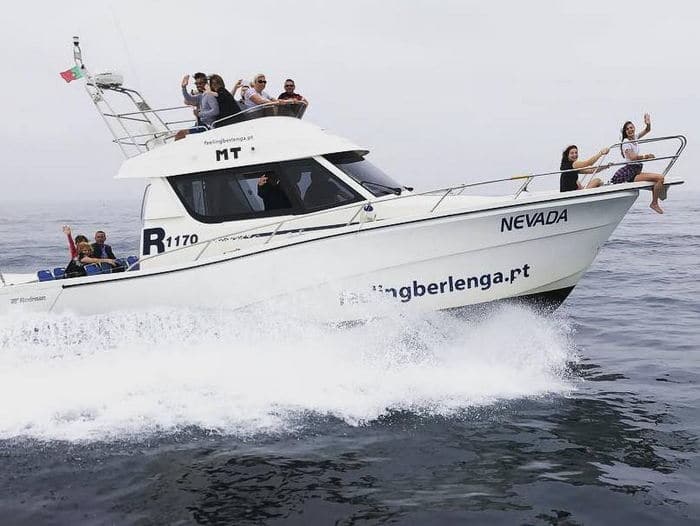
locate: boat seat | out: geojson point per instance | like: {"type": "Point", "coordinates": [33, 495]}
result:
{"type": "Point", "coordinates": [59, 273]}
{"type": "Point", "coordinates": [132, 262]}
{"type": "Point", "coordinates": [105, 268]}
{"type": "Point", "coordinates": [92, 269]}
{"type": "Point", "coordinates": [45, 275]}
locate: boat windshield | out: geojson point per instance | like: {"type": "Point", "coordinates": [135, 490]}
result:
{"type": "Point", "coordinates": [365, 173]}
{"type": "Point", "coordinates": [289, 109]}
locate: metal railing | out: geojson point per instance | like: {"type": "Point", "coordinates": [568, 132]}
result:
{"type": "Point", "coordinates": [127, 127]}
{"type": "Point", "coordinates": [273, 228]}
{"type": "Point", "coordinates": [599, 166]}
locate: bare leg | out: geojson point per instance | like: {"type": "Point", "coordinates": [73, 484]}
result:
{"type": "Point", "coordinates": [594, 183]}
{"type": "Point", "coordinates": [658, 181]}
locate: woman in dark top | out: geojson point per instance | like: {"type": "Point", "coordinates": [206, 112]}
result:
{"type": "Point", "coordinates": [227, 104]}
{"type": "Point", "coordinates": [272, 194]}
{"type": "Point", "coordinates": [569, 161]}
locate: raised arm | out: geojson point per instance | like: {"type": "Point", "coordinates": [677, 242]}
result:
{"type": "Point", "coordinates": [591, 161]}
{"type": "Point", "coordinates": [192, 100]}
{"type": "Point", "coordinates": [647, 128]}
{"type": "Point", "coordinates": [71, 243]}
{"type": "Point", "coordinates": [239, 83]}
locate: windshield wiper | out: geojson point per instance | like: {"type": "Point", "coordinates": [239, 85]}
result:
{"type": "Point", "coordinates": [394, 190]}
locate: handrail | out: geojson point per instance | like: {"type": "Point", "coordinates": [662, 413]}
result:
{"type": "Point", "coordinates": [681, 138]}
{"type": "Point", "coordinates": [276, 226]}
{"type": "Point", "coordinates": [262, 108]}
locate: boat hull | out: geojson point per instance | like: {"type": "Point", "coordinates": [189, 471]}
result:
{"type": "Point", "coordinates": [518, 249]}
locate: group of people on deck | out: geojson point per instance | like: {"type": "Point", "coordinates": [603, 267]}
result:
{"type": "Point", "coordinates": [82, 253]}
{"type": "Point", "coordinates": [572, 166]}
{"type": "Point", "coordinates": [213, 102]}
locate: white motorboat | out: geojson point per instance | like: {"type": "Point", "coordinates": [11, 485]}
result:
{"type": "Point", "coordinates": [265, 208]}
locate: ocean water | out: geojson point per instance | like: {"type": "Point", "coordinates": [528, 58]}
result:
{"type": "Point", "coordinates": [590, 415]}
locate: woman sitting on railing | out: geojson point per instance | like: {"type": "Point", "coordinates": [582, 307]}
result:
{"type": "Point", "coordinates": [633, 171]}
{"type": "Point", "coordinates": [571, 167]}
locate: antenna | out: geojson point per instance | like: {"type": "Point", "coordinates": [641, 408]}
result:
{"type": "Point", "coordinates": [77, 54]}
{"type": "Point", "coordinates": [134, 132]}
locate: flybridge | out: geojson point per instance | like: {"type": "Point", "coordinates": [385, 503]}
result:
{"type": "Point", "coordinates": [521, 221]}
{"type": "Point", "coordinates": [137, 127]}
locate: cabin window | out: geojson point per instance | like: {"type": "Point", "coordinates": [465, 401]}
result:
{"type": "Point", "coordinates": [292, 187]}
{"type": "Point", "coordinates": [316, 187]}
{"type": "Point", "coordinates": [365, 173]}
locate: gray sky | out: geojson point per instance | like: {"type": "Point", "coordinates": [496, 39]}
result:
{"type": "Point", "coordinates": [441, 92]}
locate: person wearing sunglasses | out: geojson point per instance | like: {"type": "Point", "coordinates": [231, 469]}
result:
{"type": "Point", "coordinates": [289, 94]}
{"type": "Point", "coordinates": [256, 94]}
{"type": "Point", "coordinates": [206, 107]}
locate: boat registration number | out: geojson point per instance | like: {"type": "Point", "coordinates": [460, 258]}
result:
{"type": "Point", "coordinates": [156, 238]}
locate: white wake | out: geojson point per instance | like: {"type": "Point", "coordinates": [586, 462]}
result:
{"type": "Point", "coordinates": [137, 374]}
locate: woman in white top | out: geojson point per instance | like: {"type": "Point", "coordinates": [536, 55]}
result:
{"type": "Point", "coordinates": [633, 171]}
{"type": "Point", "coordinates": [256, 94]}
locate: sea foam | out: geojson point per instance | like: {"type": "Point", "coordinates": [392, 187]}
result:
{"type": "Point", "coordinates": [136, 374]}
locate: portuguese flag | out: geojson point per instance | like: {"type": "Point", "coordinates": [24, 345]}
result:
{"type": "Point", "coordinates": [72, 74]}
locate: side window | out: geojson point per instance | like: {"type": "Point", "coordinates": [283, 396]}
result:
{"type": "Point", "coordinates": [273, 190]}
{"type": "Point", "coordinates": [266, 190]}
{"type": "Point", "coordinates": [315, 186]}
{"type": "Point", "coordinates": [226, 195]}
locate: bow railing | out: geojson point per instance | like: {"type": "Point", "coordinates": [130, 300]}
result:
{"type": "Point", "coordinates": [354, 210]}
{"type": "Point", "coordinates": [601, 166]}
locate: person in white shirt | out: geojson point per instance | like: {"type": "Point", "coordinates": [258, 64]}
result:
{"type": "Point", "coordinates": [632, 172]}
{"type": "Point", "coordinates": [256, 94]}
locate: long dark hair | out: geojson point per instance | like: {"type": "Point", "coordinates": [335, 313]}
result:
{"type": "Point", "coordinates": [217, 78]}
{"type": "Point", "coordinates": [622, 132]}
{"type": "Point", "coordinates": [565, 163]}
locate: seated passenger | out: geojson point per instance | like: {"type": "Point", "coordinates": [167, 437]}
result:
{"type": "Point", "coordinates": [321, 191]}
{"type": "Point", "coordinates": [257, 95]}
{"type": "Point", "coordinates": [206, 107]}
{"type": "Point", "coordinates": [227, 104]}
{"type": "Point", "coordinates": [239, 85]}
{"type": "Point", "coordinates": [85, 256]}
{"type": "Point", "coordinates": [241, 102]}
{"type": "Point", "coordinates": [71, 244]}
{"type": "Point", "coordinates": [99, 248]}
{"type": "Point", "coordinates": [270, 191]}
{"type": "Point", "coordinates": [633, 172]}
{"type": "Point", "coordinates": [569, 161]}
{"type": "Point", "coordinates": [104, 251]}
{"type": "Point", "coordinates": [289, 94]}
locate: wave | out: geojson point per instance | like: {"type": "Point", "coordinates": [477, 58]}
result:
{"type": "Point", "coordinates": [137, 374]}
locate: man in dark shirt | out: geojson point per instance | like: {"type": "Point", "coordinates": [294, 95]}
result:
{"type": "Point", "coordinates": [289, 92]}
{"type": "Point", "coordinates": [99, 249]}
{"type": "Point", "coordinates": [273, 196]}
